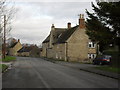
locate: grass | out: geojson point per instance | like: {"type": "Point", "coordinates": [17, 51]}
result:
{"type": "Point", "coordinates": [3, 67]}
{"type": "Point", "coordinates": [109, 69]}
{"type": "Point", "coordinates": [8, 59]}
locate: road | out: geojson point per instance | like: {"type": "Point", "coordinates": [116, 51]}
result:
{"type": "Point", "coordinates": [29, 72]}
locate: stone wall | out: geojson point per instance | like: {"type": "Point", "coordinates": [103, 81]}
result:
{"type": "Point", "coordinates": [24, 54]}
{"type": "Point", "coordinates": [57, 52]}
{"type": "Point", "coordinates": [77, 46]}
{"type": "Point", "coordinates": [44, 49]}
{"type": "Point", "coordinates": [35, 52]}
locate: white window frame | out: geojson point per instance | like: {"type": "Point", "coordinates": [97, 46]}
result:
{"type": "Point", "coordinates": [91, 45]}
{"type": "Point", "coordinates": [91, 55]}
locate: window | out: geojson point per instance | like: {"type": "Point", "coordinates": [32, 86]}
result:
{"type": "Point", "coordinates": [91, 45]}
{"type": "Point", "coordinates": [91, 56]}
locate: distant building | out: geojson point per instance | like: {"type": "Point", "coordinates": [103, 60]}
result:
{"type": "Point", "coordinates": [16, 46]}
{"type": "Point", "coordinates": [29, 51]}
{"type": "Point", "coordinates": [69, 44]}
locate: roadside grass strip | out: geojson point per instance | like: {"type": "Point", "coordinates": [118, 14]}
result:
{"type": "Point", "coordinates": [3, 67]}
{"type": "Point", "coordinates": [109, 69]}
{"type": "Point", "coordinates": [8, 59]}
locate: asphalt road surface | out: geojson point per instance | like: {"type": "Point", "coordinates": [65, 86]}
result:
{"type": "Point", "coordinates": [29, 72]}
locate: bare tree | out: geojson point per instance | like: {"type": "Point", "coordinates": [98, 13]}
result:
{"type": "Point", "coordinates": [9, 11]}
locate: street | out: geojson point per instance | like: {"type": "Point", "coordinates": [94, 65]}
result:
{"type": "Point", "coordinates": [29, 72]}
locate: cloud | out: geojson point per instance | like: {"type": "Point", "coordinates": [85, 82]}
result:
{"type": "Point", "coordinates": [33, 20]}
{"type": "Point", "coordinates": [54, 0]}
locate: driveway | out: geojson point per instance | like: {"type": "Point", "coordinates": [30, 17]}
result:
{"type": "Point", "coordinates": [29, 72]}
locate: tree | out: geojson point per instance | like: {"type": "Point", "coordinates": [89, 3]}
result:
{"type": "Point", "coordinates": [9, 11]}
{"type": "Point", "coordinates": [6, 14]}
{"type": "Point", "coordinates": [103, 25]}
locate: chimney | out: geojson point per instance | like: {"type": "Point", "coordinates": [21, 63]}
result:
{"type": "Point", "coordinates": [18, 40]}
{"type": "Point", "coordinates": [52, 26]}
{"type": "Point", "coordinates": [69, 25]}
{"type": "Point", "coordinates": [81, 21]}
{"type": "Point", "coordinates": [14, 40]}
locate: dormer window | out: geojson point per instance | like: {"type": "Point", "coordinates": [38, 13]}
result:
{"type": "Point", "coordinates": [91, 45]}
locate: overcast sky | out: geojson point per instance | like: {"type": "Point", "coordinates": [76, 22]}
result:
{"type": "Point", "coordinates": [33, 20]}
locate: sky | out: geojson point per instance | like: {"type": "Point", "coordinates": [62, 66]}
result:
{"type": "Point", "coordinates": [33, 19]}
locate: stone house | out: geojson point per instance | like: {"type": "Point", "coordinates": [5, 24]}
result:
{"type": "Point", "coordinates": [29, 51]}
{"type": "Point", "coordinates": [14, 48]}
{"type": "Point", "coordinates": [69, 44]}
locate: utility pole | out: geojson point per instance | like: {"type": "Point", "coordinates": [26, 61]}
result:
{"type": "Point", "coordinates": [4, 44]}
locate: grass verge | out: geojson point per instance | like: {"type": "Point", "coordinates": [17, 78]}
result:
{"type": "Point", "coordinates": [3, 67]}
{"type": "Point", "coordinates": [109, 69]}
{"type": "Point", "coordinates": [8, 59]}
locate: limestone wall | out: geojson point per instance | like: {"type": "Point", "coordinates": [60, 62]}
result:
{"type": "Point", "coordinates": [44, 49]}
{"type": "Point", "coordinates": [77, 46]}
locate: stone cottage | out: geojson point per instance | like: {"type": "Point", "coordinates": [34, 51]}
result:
{"type": "Point", "coordinates": [14, 48]}
{"type": "Point", "coordinates": [29, 51]}
{"type": "Point", "coordinates": [69, 44]}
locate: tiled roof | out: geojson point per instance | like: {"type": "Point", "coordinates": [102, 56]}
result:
{"type": "Point", "coordinates": [13, 44]}
{"type": "Point", "coordinates": [61, 35]}
{"type": "Point", "coordinates": [65, 36]}
{"type": "Point", "coordinates": [58, 32]}
{"type": "Point", "coordinates": [25, 49]}
{"type": "Point", "coordinates": [47, 39]}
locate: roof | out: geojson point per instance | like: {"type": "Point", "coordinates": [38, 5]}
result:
{"type": "Point", "coordinates": [57, 32]}
{"type": "Point", "coordinates": [25, 49]}
{"type": "Point", "coordinates": [65, 36]}
{"type": "Point", "coordinates": [61, 35]}
{"type": "Point", "coordinates": [47, 39]}
{"type": "Point", "coordinates": [13, 44]}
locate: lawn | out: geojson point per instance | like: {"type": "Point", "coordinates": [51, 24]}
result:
{"type": "Point", "coordinates": [8, 59]}
{"type": "Point", "coordinates": [3, 67]}
{"type": "Point", "coordinates": [109, 69]}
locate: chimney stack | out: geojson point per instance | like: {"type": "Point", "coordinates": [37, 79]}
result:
{"type": "Point", "coordinates": [52, 26]}
{"type": "Point", "coordinates": [69, 25]}
{"type": "Point", "coordinates": [18, 40]}
{"type": "Point", "coordinates": [81, 21]}
{"type": "Point", "coordinates": [14, 40]}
